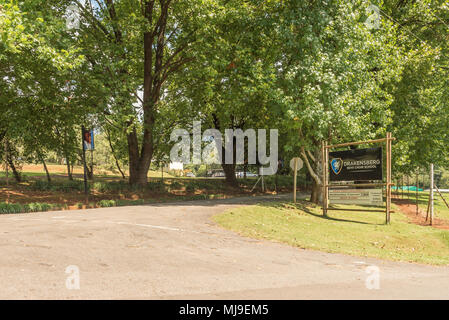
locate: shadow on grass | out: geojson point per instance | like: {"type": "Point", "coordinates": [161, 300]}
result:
{"type": "Point", "coordinates": [303, 205]}
{"type": "Point", "coordinates": [423, 198]}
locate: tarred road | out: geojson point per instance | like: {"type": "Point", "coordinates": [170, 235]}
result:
{"type": "Point", "coordinates": [176, 251]}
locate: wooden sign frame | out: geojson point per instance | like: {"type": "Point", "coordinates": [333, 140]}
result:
{"type": "Point", "coordinates": [325, 175]}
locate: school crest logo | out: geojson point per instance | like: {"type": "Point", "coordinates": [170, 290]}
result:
{"type": "Point", "coordinates": [336, 165]}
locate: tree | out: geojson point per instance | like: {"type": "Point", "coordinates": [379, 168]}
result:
{"type": "Point", "coordinates": [420, 105]}
{"type": "Point", "coordinates": [137, 46]}
{"type": "Point", "coordinates": [34, 60]}
{"type": "Point", "coordinates": [333, 73]}
{"type": "Point", "coordinates": [231, 84]}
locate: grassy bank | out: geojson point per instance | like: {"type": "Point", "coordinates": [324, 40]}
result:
{"type": "Point", "coordinates": [61, 190]}
{"type": "Point", "coordinates": [354, 233]}
{"type": "Point", "coordinates": [10, 208]}
{"type": "Point", "coordinates": [37, 194]}
{"type": "Point", "coordinates": [440, 209]}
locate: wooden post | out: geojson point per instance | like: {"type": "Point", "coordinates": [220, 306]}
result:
{"type": "Point", "coordinates": [326, 177]}
{"type": "Point", "coordinates": [388, 190]}
{"type": "Point", "coordinates": [398, 194]}
{"type": "Point", "coordinates": [408, 188]}
{"type": "Point", "coordinates": [295, 170]}
{"type": "Point", "coordinates": [402, 191]}
{"type": "Point", "coordinates": [417, 187]}
{"type": "Point", "coordinates": [431, 193]}
{"type": "Point", "coordinates": [390, 140]}
{"type": "Point", "coordinates": [324, 153]}
{"type": "Point", "coordinates": [326, 150]}
{"type": "Point", "coordinates": [6, 171]}
{"type": "Point", "coordinates": [438, 190]}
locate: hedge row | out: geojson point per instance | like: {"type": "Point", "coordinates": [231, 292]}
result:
{"type": "Point", "coordinates": [38, 207]}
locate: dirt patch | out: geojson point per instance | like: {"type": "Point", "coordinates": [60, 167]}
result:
{"type": "Point", "coordinates": [52, 168]}
{"type": "Point", "coordinates": [61, 170]}
{"type": "Point", "coordinates": [61, 193]}
{"type": "Point", "coordinates": [17, 194]}
{"type": "Point", "coordinates": [409, 209]}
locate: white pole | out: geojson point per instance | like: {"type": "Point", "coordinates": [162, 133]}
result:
{"type": "Point", "coordinates": [431, 193]}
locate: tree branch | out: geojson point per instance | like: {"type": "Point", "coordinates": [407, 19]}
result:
{"type": "Point", "coordinates": [97, 23]}
{"type": "Point", "coordinates": [309, 167]}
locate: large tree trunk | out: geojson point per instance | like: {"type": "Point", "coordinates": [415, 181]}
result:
{"type": "Point", "coordinates": [229, 170]}
{"type": "Point", "coordinates": [138, 175]}
{"type": "Point", "coordinates": [135, 176]}
{"type": "Point", "coordinates": [139, 160]}
{"type": "Point", "coordinates": [314, 167]}
{"type": "Point", "coordinates": [139, 163]}
{"type": "Point", "coordinates": [317, 193]}
{"type": "Point", "coordinates": [157, 67]}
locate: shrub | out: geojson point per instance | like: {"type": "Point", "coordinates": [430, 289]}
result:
{"type": "Point", "coordinates": [36, 207]}
{"type": "Point", "coordinates": [11, 208]}
{"type": "Point", "coordinates": [175, 185]}
{"type": "Point", "coordinates": [190, 187]}
{"type": "Point", "coordinates": [111, 186]}
{"type": "Point", "coordinates": [41, 185]}
{"type": "Point", "coordinates": [106, 203]}
{"type": "Point", "coordinates": [129, 202]}
{"type": "Point", "coordinates": [19, 208]}
{"type": "Point", "coordinates": [155, 186]}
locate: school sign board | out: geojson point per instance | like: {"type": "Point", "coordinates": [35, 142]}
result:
{"type": "Point", "coordinates": [372, 197]}
{"type": "Point", "coordinates": [356, 165]}
{"type": "Point", "coordinates": [362, 173]}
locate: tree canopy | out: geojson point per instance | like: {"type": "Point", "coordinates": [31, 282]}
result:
{"type": "Point", "coordinates": [135, 70]}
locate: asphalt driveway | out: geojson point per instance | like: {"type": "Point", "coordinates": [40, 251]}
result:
{"type": "Point", "coordinates": [175, 250]}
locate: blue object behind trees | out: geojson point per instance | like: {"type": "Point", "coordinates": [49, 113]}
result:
{"type": "Point", "coordinates": [411, 188]}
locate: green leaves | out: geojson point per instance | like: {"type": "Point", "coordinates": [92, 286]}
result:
{"type": "Point", "coordinates": [333, 70]}
{"type": "Point", "coordinates": [420, 105]}
{"type": "Point", "coordinates": [313, 70]}
{"type": "Point", "coordinates": [34, 69]}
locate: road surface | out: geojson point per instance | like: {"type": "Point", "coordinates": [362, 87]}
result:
{"type": "Point", "coordinates": [175, 250]}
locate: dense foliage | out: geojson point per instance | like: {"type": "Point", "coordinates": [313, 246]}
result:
{"type": "Point", "coordinates": [135, 70]}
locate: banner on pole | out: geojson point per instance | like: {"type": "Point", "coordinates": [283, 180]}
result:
{"type": "Point", "coordinates": [88, 139]}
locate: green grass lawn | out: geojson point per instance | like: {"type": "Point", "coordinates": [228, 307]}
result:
{"type": "Point", "coordinates": [25, 174]}
{"type": "Point", "coordinates": [355, 233]}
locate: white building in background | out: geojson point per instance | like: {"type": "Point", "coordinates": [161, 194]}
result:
{"type": "Point", "coordinates": [176, 166]}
